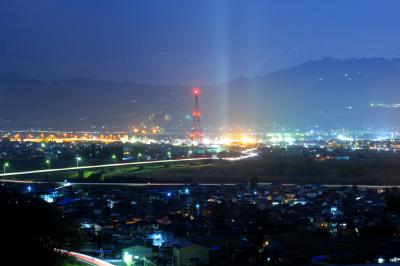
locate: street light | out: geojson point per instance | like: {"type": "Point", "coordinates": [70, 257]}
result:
{"type": "Point", "coordinates": [139, 156]}
{"type": "Point", "coordinates": [169, 155]}
{"type": "Point", "coordinates": [48, 162]}
{"type": "Point", "coordinates": [114, 157]}
{"type": "Point", "coordinates": [78, 159]}
{"type": "Point", "coordinates": [5, 166]}
{"type": "Point", "coordinates": [128, 259]}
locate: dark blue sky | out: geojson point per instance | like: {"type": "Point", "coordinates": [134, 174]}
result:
{"type": "Point", "coordinates": [183, 41]}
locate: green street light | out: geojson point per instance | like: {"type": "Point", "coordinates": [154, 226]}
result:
{"type": "Point", "coordinates": [139, 156]}
{"type": "Point", "coordinates": [5, 166]}
{"type": "Point", "coordinates": [114, 158]}
{"type": "Point", "coordinates": [169, 155]}
{"type": "Point", "coordinates": [48, 162]}
{"type": "Point", "coordinates": [78, 159]}
{"type": "Point", "coordinates": [128, 259]}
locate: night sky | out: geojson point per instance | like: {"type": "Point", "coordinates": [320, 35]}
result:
{"type": "Point", "coordinates": [184, 42]}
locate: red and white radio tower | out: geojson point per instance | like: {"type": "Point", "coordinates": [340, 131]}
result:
{"type": "Point", "coordinates": [197, 133]}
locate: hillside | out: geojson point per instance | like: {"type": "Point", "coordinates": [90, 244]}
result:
{"type": "Point", "coordinates": [330, 93]}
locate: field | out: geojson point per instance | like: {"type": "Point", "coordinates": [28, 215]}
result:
{"type": "Point", "coordinates": [379, 170]}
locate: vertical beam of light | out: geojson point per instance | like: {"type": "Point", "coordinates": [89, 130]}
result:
{"type": "Point", "coordinates": [256, 46]}
{"type": "Point", "coordinates": [253, 44]}
{"type": "Point", "coordinates": [222, 56]}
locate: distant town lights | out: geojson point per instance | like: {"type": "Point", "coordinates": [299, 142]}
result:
{"type": "Point", "coordinates": [344, 138]}
{"type": "Point", "coordinates": [381, 260]}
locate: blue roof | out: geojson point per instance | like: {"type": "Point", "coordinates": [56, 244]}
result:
{"type": "Point", "coordinates": [181, 243]}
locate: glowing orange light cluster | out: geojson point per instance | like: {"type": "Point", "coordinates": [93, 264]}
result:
{"type": "Point", "coordinates": [238, 138]}
{"type": "Point", "coordinates": [66, 138]}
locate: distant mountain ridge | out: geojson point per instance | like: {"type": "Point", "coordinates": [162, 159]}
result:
{"type": "Point", "coordinates": [330, 93]}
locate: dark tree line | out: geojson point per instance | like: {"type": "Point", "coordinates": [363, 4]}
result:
{"type": "Point", "coordinates": [31, 229]}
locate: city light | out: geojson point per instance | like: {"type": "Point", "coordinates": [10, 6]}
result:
{"type": "Point", "coordinates": [192, 133]}
{"type": "Point", "coordinates": [158, 239]}
{"type": "Point", "coordinates": [237, 139]}
{"type": "Point", "coordinates": [344, 138]}
{"type": "Point", "coordinates": [381, 260]}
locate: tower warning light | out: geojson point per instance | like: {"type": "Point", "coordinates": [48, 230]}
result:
{"type": "Point", "coordinates": [196, 91]}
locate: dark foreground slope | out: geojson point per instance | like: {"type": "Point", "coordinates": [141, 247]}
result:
{"type": "Point", "coordinates": [30, 229]}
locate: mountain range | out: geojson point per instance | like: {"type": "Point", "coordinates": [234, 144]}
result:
{"type": "Point", "coordinates": [327, 93]}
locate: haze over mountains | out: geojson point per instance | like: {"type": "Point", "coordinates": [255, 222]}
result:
{"type": "Point", "coordinates": [330, 93]}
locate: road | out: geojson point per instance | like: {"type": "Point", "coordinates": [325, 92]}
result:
{"type": "Point", "coordinates": [85, 258]}
{"type": "Point", "coordinates": [62, 184]}
{"type": "Point", "coordinates": [246, 154]}
{"type": "Point", "coordinates": [87, 167]}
